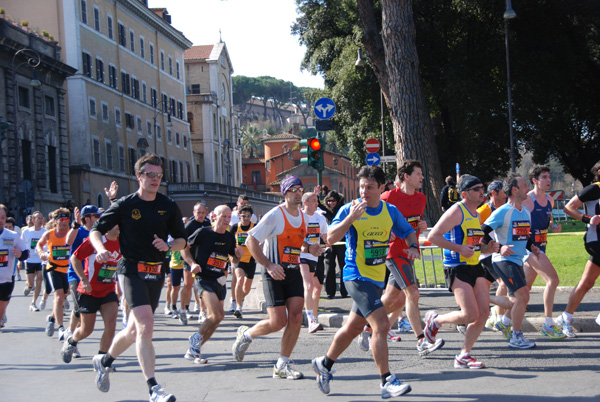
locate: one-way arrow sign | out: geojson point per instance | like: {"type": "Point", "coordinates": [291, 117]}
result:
{"type": "Point", "coordinates": [373, 159]}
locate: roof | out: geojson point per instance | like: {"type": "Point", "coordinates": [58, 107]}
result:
{"type": "Point", "coordinates": [198, 52]}
{"type": "Point", "coordinates": [282, 136]}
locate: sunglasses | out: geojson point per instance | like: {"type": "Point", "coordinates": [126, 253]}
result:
{"type": "Point", "coordinates": [476, 188]}
{"type": "Point", "coordinates": [245, 216]}
{"type": "Point", "coordinates": [153, 175]}
{"type": "Point", "coordinates": [330, 201]}
{"type": "Point", "coordinates": [296, 189]}
{"type": "Point", "coordinates": [63, 220]}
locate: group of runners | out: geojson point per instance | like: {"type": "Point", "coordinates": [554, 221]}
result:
{"type": "Point", "coordinates": [142, 233]}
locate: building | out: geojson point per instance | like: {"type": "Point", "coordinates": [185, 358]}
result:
{"type": "Point", "coordinates": [34, 152]}
{"type": "Point", "coordinates": [127, 97]}
{"type": "Point", "coordinates": [214, 125]}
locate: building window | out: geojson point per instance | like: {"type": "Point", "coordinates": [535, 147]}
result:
{"type": "Point", "coordinates": [151, 50]}
{"type": "Point", "coordinates": [49, 106]}
{"type": "Point", "coordinates": [180, 110]}
{"type": "Point", "coordinates": [181, 171]}
{"type": "Point", "coordinates": [109, 156]}
{"type": "Point", "coordinates": [105, 116]}
{"type": "Point", "coordinates": [26, 154]}
{"type": "Point", "coordinates": [185, 141]}
{"type": "Point", "coordinates": [144, 95]}
{"type": "Point", "coordinates": [92, 108]}
{"type": "Point", "coordinates": [129, 121]}
{"type": "Point", "coordinates": [154, 97]}
{"type": "Point", "coordinates": [84, 11]}
{"type": "Point", "coordinates": [52, 171]}
{"type": "Point", "coordinates": [142, 50]}
{"type": "Point", "coordinates": [139, 124]}
{"type": "Point", "coordinates": [131, 41]}
{"type": "Point", "coordinates": [188, 169]}
{"type": "Point", "coordinates": [177, 70]}
{"type": "Point", "coordinates": [96, 19]}
{"type": "Point", "coordinates": [170, 66]}
{"type": "Point", "coordinates": [256, 177]}
{"type": "Point", "coordinates": [118, 117]}
{"type": "Point", "coordinates": [87, 64]}
{"type": "Point", "coordinates": [109, 27]}
{"type": "Point", "coordinates": [195, 90]}
{"type": "Point", "coordinates": [112, 77]}
{"type": "Point", "coordinates": [158, 133]}
{"type": "Point", "coordinates": [100, 70]}
{"type": "Point", "coordinates": [172, 108]}
{"type": "Point", "coordinates": [174, 175]}
{"type": "Point", "coordinates": [177, 139]}
{"type": "Point", "coordinates": [125, 84]}
{"type": "Point", "coordinates": [122, 35]}
{"type": "Point", "coordinates": [132, 160]}
{"type": "Point", "coordinates": [162, 60]}
{"type": "Point", "coordinates": [121, 158]}
{"type": "Point", "coordinates": [169, 136]}
{"type": "Point", "coordinates": [96, 150]}
{"type": "Point", "coordinates": [165, 103]}
{"type": "Point", "coordinates": [149, 128]}
{"type": "Point", "coordinates": [135, 88]}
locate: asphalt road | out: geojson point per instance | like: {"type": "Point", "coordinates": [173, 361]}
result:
{"type": "Point", "coordinates": [31, 368]}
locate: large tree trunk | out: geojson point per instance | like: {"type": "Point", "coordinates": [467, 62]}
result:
{"type": "Point", "coordinates": [393, 55]}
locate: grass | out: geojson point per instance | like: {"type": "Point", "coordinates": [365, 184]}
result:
{"type": "Point", "coordinates": [565, 250]}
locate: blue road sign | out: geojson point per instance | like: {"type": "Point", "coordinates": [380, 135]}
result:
{"type": "Point", "coordinates": [324, 108]}
{"type": "Point", "coordinates": [373, 159]}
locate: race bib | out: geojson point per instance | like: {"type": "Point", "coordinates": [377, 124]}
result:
{"type": "Point", "coordinates": [312, 234]}
{"type": "Point", "coordinates": [540, 236]}
{"type": "Point", "coordinates": [3, 258]}
{"type": "Point", "coordinates": [217, 262]}
{"type": "Point", "coordinates": [375, 252]}
{"type": "Point", "coordinates": [61, 253]}
{"type": "Point", "coordinates": [107, 273]}
{"type": "Point", "coordinates": [474, 237]}
{"type": "Point", "coordinates": [290, 258]}
{"type": "Point", "coordinates": [149, 271]}
{"type": "Point", "coordinates": [241, 238]}
{"type": "Point", "coordinates": [33, 243]}
{"type": "Point", "coordinates": [8, 242]}
{"type": "Point", "coordinates": [520, 230]}
{"type": "Point", "coordinates": [413, 221]}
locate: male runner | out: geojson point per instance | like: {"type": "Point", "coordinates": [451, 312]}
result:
{"type": "Point", "coordinates": [282, 231]}
{"type": "Point", "coordinates": [33, 265]}
{"type": "Point", "coordinates": [541, 206]}
{"type": "Point", "coordinates": [95, 292]}
{"type": "Point", "coordinates": [511, 225]}
{"type": "Point", "coordinates": [57, 258]}
{"type": "Point", "coordinates": [459, 233]}
{"type": "Point", "coordinates": [12, 248]}
{"type": "Point", "coordinates": [145, 219]}
{"type": "Point", "coordinates": [311, 275]}
{"type": "Point", "coordinates": [243, 199]}
{"type": "Point", "coordinates": [590, 199]}
{"type": "Point", "coordinates": [402, 285]}
{"type": "Point", "coordinates": [246, 267]}
{"type": "Point", "coordinates": [208, 257]}
{"type": "Point", "coordinates": [367, 224]}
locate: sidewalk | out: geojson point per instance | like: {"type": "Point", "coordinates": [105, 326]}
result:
{"type": "Point", "coordinates": [334, 313]}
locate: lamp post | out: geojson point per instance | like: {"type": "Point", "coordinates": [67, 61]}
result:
{"type": "Point", "coordinates": [509, 14]}
{"type": "Point", "coordinates": [156, 112]}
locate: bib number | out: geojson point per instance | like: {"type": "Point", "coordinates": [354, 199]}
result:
{"type": "Point", "coordinates": [217, 262]}
{"type": "Point", "coordinates": [107, 273]}
{"type": "Point", "coordinates": [3, 258]}
{"type": "Point", "coordinates": [290, 258]}
{"type": "Point", "coordinates": [375, 252]}
{"type": "Point", "coordinates": [520, 230]}
{"type": "Point", "coordinates": [241, 239]}
{"type": "Point", "coordinates": [149, 271]}
{"type": "Point", "coordinates": [312, 234]}
{"type": "Point", "coordinates": [540, 237]}
{"type": "Point", "coordinates": [474, 237]}
{"type": "Point", "coordinates": [413, 221]}
{"type": "Point", "coordinates": [61, 253]}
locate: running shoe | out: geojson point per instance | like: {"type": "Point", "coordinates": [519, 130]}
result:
{"type": "Point", "coordinates": [102, 379]}
{"type": "Point", "coordinates": [201, 317]}
{"type": "Point", "coordinates": [324, 376]}
{"type": "Point", "coordinates": [49, 326]}
{"type": "Point", "coordinates": [287, 372]}
{"type": "Point", "coordinates": [520, 342]}
{"type": "Point", "coordinates": [364, 339]}
{"type": "Point", "coordinates": [431, 329]}
{"type": "Point", "coordinates": [19, 277]}
{"type": "Point", "coordinates": [196, 308]}
{"type": "Point", "coordinates": [174, 315]}
{"type": "Point", "coordinates": [33, 307]}
{"type": "Point", "coordinates": [66, 304]}
{"type": "Point", "coordinates": [394, 387]}
{"type": "Point", "coordinates": [553, 332]}
{"type": "Point", "coordinates": [193, 351]}
{"type": "Point", "coordinates": [67, 351]}
{"type": "Point", "coordinates": [233, 307]}
{"type": "Point", "coordinates": [598, 319]}
{"type": "Point", "coordinates": [26, 291]}
{"type": "Point", "coordinates": [167, 310]}
{"type": "Point", "coordinates": [160, 395]}
{"type": "Point", "coordinates": [467, 362]}
{"type": "Point", "coordinates": [568, 330]}
{"type": "Point", "coordinates": [505, 329]}
{"type": "Point", "coordinates": [76, 353]}
{"type": "Point", "coordinates": [3, 321]}
{"type": "Point", "coordinates": [424, 348]}
{"type": "Point", "coordinates": [183, 317]}
{"type": "Point", "coordinates": [404, 325]}
{"type": "Point", "coordinates": [461, 328]}
{"type": "Point", "coordinates": [62, 332]}
{"type": "Point", "coordinates": [491, 321]}
{"type": "Point", "coordinates": [393, 338]}
{"type": "Point", "coordinates": [43, 304]}
{"type": "Point", "coordinates": [241, 344]}
{"type": "Point", "coordinates": [314, 326]}
{"type": "Point", "coordinates": [238, 313]}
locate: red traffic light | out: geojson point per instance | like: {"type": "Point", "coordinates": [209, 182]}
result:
{"type": "Point", "coordinates": [314, 144]}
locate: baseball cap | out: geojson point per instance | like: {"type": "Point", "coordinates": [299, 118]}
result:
{"type": "Point", "coordinates": [90, 210]}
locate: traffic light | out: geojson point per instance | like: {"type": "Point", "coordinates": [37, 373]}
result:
{"type": "Point", "coordinates": [313, 150]}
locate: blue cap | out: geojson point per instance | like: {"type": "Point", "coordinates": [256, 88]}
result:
{"type": "Point", "coordinates": [90, 210]}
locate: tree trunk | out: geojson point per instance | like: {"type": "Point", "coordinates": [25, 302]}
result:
{"type": "Point", "coordinates": [393, 55]}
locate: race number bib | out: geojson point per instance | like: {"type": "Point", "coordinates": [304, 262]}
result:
{"type": "Point", "coordinates": [290, 258]}
{"type": "Point", "coordinates": [3, 258]}
{"type": "Point", "coordinates": [540, 236]}
{"type": "Point", "coordinates": [61, 253]}
{"type": "Point", "coordinates": [33, 243]}
{"type": "Point", "coordinates": [413, 221]}
{"type": "Point", "coordinates": [217, 262]}
{"type": "Point", "coordinates": [375, 252]}
{"type": "Point", "coordinates": [241, 238]}
{"type": "Point", "coordinates": [520, 230]}
{"type": "Point", "coordinates": [107, 273]}
{"type": "Point", "coordinates": [474, 237]}
{"type": "Point", "coordinates": [312, 234]}
{"type": "Point", "coordinates": [149, 271]}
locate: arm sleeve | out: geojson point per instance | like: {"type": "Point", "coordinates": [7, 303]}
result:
{"type": "Point", "coordinates": [486, 230]}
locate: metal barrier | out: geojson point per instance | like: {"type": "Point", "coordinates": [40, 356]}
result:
{"type": "Point", "coordinates": [431, 253]}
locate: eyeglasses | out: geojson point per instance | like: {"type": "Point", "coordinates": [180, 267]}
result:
{"type": "Point", "coordinates": [295, 189]}
{"type": "Point", "coordinates": [152, 175]}
{"type": "Point", "coordinates": [328, 201]}
{"type": "Point", "coordinates": [245, 216]}
{"type": "Point", "coordinates": [63, 220]}
{"type": "Point", "coordinates": [476, 188]}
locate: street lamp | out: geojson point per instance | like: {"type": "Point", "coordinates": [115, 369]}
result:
{"type": "Point", "coordinates": [156, 112]}
{"type": "Point", "coordinates": [509, 14]}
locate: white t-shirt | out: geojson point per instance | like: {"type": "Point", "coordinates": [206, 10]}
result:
{"type": "Point", "coordinates": [30, 238]}
{"type": "Point", "coordinates": [317, 225]}
{"type": "Point", "coordinates": [8, 263]}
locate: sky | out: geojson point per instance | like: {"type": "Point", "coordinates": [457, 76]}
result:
{"type": "Point", "coordinates": [257, 34]}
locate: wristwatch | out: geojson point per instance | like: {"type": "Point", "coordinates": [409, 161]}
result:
{"type": "Point", "coordinates": [414, 245]}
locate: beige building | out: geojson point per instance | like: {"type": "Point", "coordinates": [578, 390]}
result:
{"type": "Point", "coordinates": [128, 95]}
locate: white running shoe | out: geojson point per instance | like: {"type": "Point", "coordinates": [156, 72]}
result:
{"type": "Point", "coordinates": [394, 387]}
{"type": "Point", "coordinates": [49, 326]}
{"type": "Point", "coordinates": [241, 344]}
{"type": "Point", "coordinates": [183, 317]}
{"type": "Point", "coordinates": [520, 342]}
{"type": "Point", "coordinates": [287, 372]}
{"type": "Point", "coordinates": [233, 307]}
{"type": "Point", "coordinates": [323, 375]}
{"type": "Point", "coordinates": [314, 326]}
{"type": "Point", "coordinates": [43, 304]}
{"type": "Point", "coordinates": [194, 350]}
{"type": "Point", "coordinates": [160, 395]}
{"type": "Point", "coordinates": [167, 310]}
{"type": "Point", "coordinates": [364, 339]}
{"type": "Point", "coordinates": [424, 348]}
{"type": "Point", "coordinates": [102, 378]}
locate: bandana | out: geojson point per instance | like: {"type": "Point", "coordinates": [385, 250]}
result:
{"type": "Point", "coordinates": [467, 181]}
{"type": "Point", "coordinates": [289, 182]}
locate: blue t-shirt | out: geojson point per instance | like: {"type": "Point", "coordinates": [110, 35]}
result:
{"type": "Point", "coordinates": [511, 227]}
{"type": "Point", "coordinates": [82, 234]}
{"type": "Point", "coordinates": [400, 227]}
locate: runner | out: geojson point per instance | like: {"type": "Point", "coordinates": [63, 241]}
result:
{"type": "Point", "coordinates": [95, 292]}
{"type": "Point", "coordinates": [590, 199]}
{"type": "Point", "coordinates": [207, 255]}
{"type": "Point", "coordinates": [312, 275]}
{"type": "Point", "coordinates": [282, 231]}
{"type": "Point", "coordinates": [242, 200]}
{"type": "Point", "coordinates": [541, 206]}
{"type": "Point", "coordinates": [176, 274]}
{"type": "Point", "coordinates": [402, 285]}
{"type": "Point", "coordinates": [33, 265]}
{"type": "Point", "coordinates": [246, 267]}
{"type": "Point", "coordinates": [12, 248]}
{"type": "Point", "coordinates": [145, 219]}
{"type": "Point", "coordinates": [511, 225]}
{"type": "Point", "coordinates": [459, 233]}
{"type": "Point", "coordinates": [57, 258]}
{"type": "Point", "coordinates": [367, 224]}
